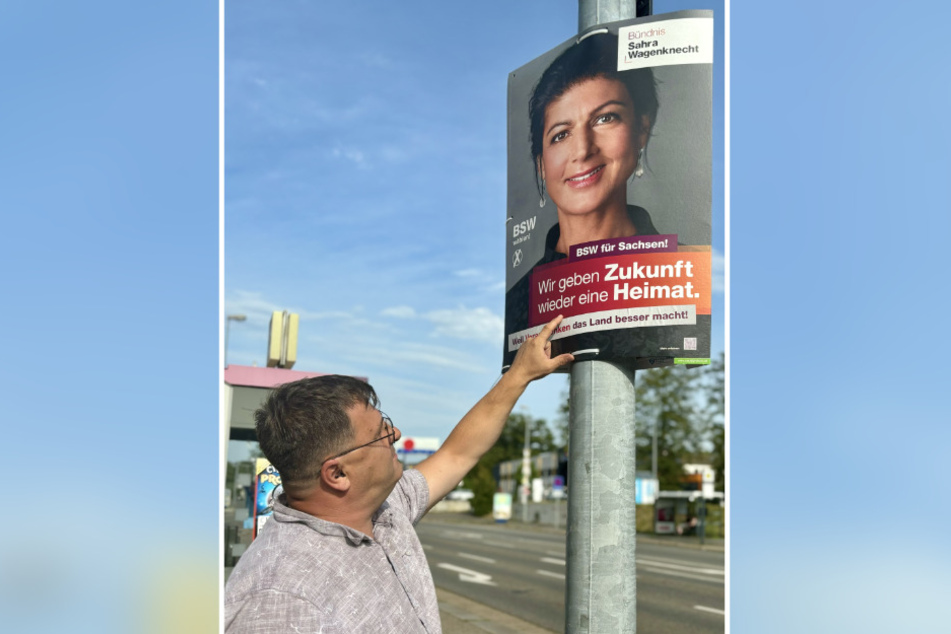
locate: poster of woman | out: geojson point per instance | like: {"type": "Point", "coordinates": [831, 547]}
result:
{"type": "Point", "coordinates": [609, 192]}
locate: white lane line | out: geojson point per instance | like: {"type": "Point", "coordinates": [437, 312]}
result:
{"type": "Point", "coordinates": [451, 534]}
{"type": "Point", "coordinates": [706, 609]}
{"type": "Point", "coordinates": [550, 574]}
{"type": "Point", "coordinates": [662, 564]}
{"type": "Point", "coordinates": [477, 558]}
{"type": "Point", "coordinates": [671, 573]}
{"type": "Point", "coordinates": [470, 575]}
{"type": "Point", "coordinates": [557, 562]}
{"type": "Point", "coordinates": [491, 542]}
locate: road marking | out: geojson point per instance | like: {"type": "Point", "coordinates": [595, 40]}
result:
{"type": "Point", "coordinates": [550, 574]}
{"type": "Point", "coordinates": [477, 558]}
{"type": "Point", "coordinates": [672, 573]}
{"type": "Point", "coordinates": [557, 562]}
{"type": "Point", "coordinates": [470, 575]}
{"type": "Point", "coordinates": [461, 534]}
{"type": "Point", "coordinates": [491, 542]}
{"type": "Point", "coordinates": [661, 564]}
{"type": "Point", "coordinates": [706, 609]}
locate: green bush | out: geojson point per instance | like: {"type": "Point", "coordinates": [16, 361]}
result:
{"type": "Point", "coordinates": [483, 489]}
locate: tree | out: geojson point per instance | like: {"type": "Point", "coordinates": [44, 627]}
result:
{"type": "Point", "coordinates": [685, 407]}
{"type": "Point", "coordinates": [482, 483]}
{"type": "Point", "coordinates": [667, 405]}
{"type": "Point", "coordinates": [713, 416]}
{"type": "Point", "coordinates": [508, 447]}
{"type": "Point", "coordinates": [563, 424]}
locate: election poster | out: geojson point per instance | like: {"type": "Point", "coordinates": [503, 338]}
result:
{"type": "Point", "coordinates": [267, 488]}
{"type": "Point", "coordinates": [609, 193]}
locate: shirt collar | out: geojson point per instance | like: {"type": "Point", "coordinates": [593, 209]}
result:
{"type": "Point", "coordinates": [284, 513]}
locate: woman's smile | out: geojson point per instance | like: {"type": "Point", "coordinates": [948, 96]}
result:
{"type": "Point", "coordinates": [586, 179]}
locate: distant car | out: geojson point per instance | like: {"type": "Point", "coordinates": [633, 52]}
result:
{"type": "Point", "coordinates": [460, 494]}
{"type": "Point", "coordinates": [557, 494]}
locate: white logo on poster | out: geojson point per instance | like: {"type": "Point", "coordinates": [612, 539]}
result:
{"type": "Point", "coordinates": [517, 258]}
{"type": "Point", "coordinates": [665, 43]}
{"type": "Point", "coordinates": [523, 227]}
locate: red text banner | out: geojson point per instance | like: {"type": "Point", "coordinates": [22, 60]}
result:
{"type": "Point", "coordinates": [602, 284]}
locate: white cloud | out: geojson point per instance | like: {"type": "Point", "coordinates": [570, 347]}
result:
{"type": "Point", "coordinates": [355, 156]}
{"type": "Point", "coordinates": [440, 358]}
{"type": "Point", "coordinates": [251, 304]}
{"type": "Point", "coordinates": [479, 324]}
{"type": "Point", "coordinates": [392, 154]}
{"type": "Point", "coordinates": [257, 309]}
{"type": "Point", "coordinates": [472, 324]}
{"type": "Point", "coordinates": [401, 312]}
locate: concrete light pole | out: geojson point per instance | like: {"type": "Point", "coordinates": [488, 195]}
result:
{"type": "Point", "coordinates": [601, 580]}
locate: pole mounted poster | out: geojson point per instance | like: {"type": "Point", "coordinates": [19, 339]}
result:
{"type": "Point", "coordinates": [609, 193]}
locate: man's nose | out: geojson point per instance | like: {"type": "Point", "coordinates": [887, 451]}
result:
{"type": "Point", "coordinates": [397, 434]}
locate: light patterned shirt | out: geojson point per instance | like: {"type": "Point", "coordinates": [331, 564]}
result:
{"type": "Point", "coordinates": [304, 574]}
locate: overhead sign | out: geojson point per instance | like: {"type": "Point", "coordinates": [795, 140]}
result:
{"type": "Point", "coordinates": [609, 193]}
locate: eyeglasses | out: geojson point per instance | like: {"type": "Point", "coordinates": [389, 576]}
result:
{"type": "Point", "coordinates": [390, 434]}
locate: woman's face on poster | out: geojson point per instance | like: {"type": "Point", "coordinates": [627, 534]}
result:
{"type": "Point", "coordinates": [591, 142]}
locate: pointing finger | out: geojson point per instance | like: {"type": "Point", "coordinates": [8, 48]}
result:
{"type": "Point", "coordinates": [550, 328]}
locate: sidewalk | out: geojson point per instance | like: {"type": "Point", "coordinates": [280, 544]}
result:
{"type": "Point", "coordinates": [460, 615]}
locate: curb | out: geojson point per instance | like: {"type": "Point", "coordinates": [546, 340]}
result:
{"type": "Point", "coordinates": [460, 615]}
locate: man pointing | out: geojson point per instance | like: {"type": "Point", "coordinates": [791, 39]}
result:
{"type": "Point", "coordinates": [340, 553]}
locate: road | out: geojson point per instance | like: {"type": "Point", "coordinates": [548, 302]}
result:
{"type": "Point", "coordinates": [522, 572]}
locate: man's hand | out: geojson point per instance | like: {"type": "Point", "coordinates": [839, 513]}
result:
{"type": "Point", "coordinates": [533, 360]}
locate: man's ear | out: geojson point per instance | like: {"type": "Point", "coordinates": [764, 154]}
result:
{"type": "Point", "coordinates": [333, 476]}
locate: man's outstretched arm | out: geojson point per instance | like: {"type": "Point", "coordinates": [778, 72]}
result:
{"type": "Point", "coordinates": [481, 427]}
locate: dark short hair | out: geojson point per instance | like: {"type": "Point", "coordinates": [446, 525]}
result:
{"type": "Point", "coordinates": [303, 422]}
{"type": "Point", "coordinates": [594, 56]}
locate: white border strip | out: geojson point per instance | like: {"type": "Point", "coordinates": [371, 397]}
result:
{"type": "Point", "coordinates": [727, 522]}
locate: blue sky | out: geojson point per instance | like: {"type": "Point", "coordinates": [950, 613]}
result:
{"type": "Point", "coordinates": [365, 190]}
{"type": "Point", "coordinates": [839, 209]}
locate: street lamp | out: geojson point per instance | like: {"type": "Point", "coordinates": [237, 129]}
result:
{"type": "Point", "coordinates": [228, 320]}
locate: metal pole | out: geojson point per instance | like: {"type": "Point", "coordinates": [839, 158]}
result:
{"type": "Point", "coordinates": [601, 580]}
{"type": "Point", "coordinates": [594, 12]}
{"type": "Point", "coordinates": [526, 472]}
{"type": "Point", "coordinates": [654, 453]}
